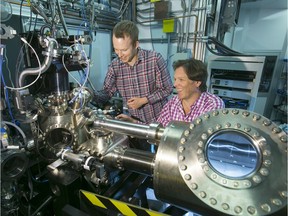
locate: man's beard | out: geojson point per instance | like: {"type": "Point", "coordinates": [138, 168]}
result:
{"type": "Point", "coordinates": [133, 55]}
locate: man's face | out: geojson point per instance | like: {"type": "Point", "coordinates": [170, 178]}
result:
{"type": "Point", "coordinates": [184, 86]}
{"type": "Point", "coordinates": [124, 49]}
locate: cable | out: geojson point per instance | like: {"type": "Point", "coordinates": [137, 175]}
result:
{"type": "Point", "coordinates": [18, 64]}
{"type": "Point", "coordinates": [30, 23]}
{"type": "Point", "coordinates": [5, 90]}
{"type": "Point", "coordinates": [6, 65]}
{"type": "Point", "coordinates": [21, 27]}
{"type": "Point", "coordinates": [221, 49]}
{"type": "Point", "coordinates": [43, 28]}
{"type": "Point", "coordinates": [83, 12]}
{"type": "Point", "coordinates": [33, 28]}
{"type": "Point", "coordinates": [87, 62]}
{"type": "Point", "coordinates": [63, 62]}
{"type": "Point", "coordinates": [217, 42]}
{"type": "Point", "coordinates": [62, 17]}
{"type": "Point", "coordinates": [124, 10]}
{"type": "Point", "coordinates": [86, 74]}
{"type": "Point", "coordinates": [19, 130]}
{"type": "Point", "coordinates": [212, 51]}
{"type": "Point", "coordinates": [39, 74]}
{"type": "Point", "coordinates": [8, 105]}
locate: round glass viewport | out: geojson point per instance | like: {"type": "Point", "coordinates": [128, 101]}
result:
{"type": "Point", "coordinates": [232, 154]}
{"type": "Point", "coordinates": [59, 137]}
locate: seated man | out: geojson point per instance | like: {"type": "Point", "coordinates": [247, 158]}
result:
{"type": "Point", "coordinates": [192, 99]}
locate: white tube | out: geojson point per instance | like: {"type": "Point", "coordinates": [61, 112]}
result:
{"type": "Point", "coordinates": [19, 129]}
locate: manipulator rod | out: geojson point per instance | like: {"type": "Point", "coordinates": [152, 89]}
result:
{"type": "Point", "coordinates": [152, 132]}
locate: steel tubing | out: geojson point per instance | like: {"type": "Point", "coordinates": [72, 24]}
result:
{"type": "Point", "coordinates": [152, 132]}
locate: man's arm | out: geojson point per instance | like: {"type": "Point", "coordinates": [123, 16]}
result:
{"type": "Point", "coordinates": [109, 88]}
{"type": "Point", "coordinates": [101, 97]}
{"type": "Point", "coordinates": [164, 86]}
{"type": "Point", "coordinates": [137, 102]}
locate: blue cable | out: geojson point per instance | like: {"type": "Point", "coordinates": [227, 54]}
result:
{"type": "Point", "coordinates": [6, 90]}
{"type": "Point", "coordinates": [83, 10]}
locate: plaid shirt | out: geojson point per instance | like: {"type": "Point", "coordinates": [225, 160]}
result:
{"type": "Point", "coordinates": [148, 77]}
{"type": "Point", "coordinates": [174, 110]}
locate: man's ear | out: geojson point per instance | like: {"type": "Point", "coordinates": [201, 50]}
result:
{"type": "Point", "coordinates": [198, 83]}
{"type": "Point", "coordinates": [137, 44]}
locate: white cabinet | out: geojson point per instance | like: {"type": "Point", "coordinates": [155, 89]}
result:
{"type": "Point", "coordinates": [236, 79]}
{"type": "Point", "coordinates": [279, 112]}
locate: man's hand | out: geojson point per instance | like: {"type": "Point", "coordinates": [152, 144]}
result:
{"type": "Point", "coordinates": [127, 118]}
{"type": "Point", "coordinates": [136, 102]}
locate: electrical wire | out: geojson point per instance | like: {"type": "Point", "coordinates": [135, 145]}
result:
{"type": "Point", "coordinates": [8, 103]}
{"type": "Point", "coordinates": [221, 45]}
{"type": "Point", "coordinates": [43, 28]}
{"type": "Point", "coordinates": [221, 49]}
{"type": "Point", "coordinates": [34, 28]}
{"type": "Point", "coordinates": [63, 62]}
{"type": "Point", "coordinates": [80, 92]}
{"type": "Point", "coordinates": [19, 130]}
{"type": "Point", "coordinates": [62, 17]}
{"type": "Point", "coordinates": [39, 74]}
{"type": "Point", "coordinates": [83, 12]}
{"type": "Point", "coordinates": [20, 14]}
{"type": "Point", "coordinates": [6, 65]}
{"type": "Point", "coordinates": [30, 23]}
{"type": "Point", "coordinates": [84, 81]}
{"type": "Point", "coordinates": [19, 60]}
{"type": "Point", "coordinates": [82, 85]}
{"type": "Point", "coordinates": [6, 95]}
{"type": "Point", "coordinates": [124, 10]}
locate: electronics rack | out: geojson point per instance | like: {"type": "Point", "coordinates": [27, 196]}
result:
{"type": "Point", "coordinates": [235, 79]}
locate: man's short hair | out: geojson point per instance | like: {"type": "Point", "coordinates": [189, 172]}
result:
{"type": "Point", "coordinates": [126, 28]}
{"type": "Point", "coordinates": [195, 70]}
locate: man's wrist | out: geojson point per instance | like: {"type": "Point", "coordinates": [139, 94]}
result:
{"type": "Point", "coordinates": [145, 100]}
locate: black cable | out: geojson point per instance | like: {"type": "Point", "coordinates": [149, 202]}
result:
{"type": "Point", "coordinates": [222, 49]}
{"type": "Point", "coordinates": [223, 4]}
{"type": "Point", "coordinates": [30, 21]}
{"type": "Point", "coordinates": [220, 44]}
{"type": "Point", "coordinates": [41, 31]}
{"type": "Point", "coordinates": [34, 29]}
{"type": "Point", "coordinates": [212, 51]}
{"type": "Point", "coordinates": [21, 27]}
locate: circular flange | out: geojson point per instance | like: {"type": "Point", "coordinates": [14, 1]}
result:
{"type": "Point", "coordinates": [262, 190]}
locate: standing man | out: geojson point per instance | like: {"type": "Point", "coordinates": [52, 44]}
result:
{"type": "Point", "coordinates": [140, 76]}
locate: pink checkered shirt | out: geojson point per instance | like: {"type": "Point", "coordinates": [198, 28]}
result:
{"type": "Point", "coordinates": [173, 110]}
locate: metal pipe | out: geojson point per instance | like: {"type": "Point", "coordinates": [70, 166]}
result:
{"type": "Point", "coordinates": [165, 40]}
{"type": "Point", "coordinates": [42, 69]}
{"type": "Point", "coordinates": [46, 202]}
{"type": "Point", "coordinates": [188, 25]}
{"type": "Point", "coordinates": [134, 11]}
{"type": "Point", "coordinates": [138, 161]}
{"type": "Point", "coordinates": [36, 9]}
{"type": "Point", "coordinates": [152, 132]}
{"type": "Point", "coordinates": [201, 32]}
{"type": "Point", "coordinates": [178, 24]}
{"type": "Point", "coordinates": [155, 20]}
{"type": "Point", "coordinates": [75, 158]}
{"type": "Point", "coordinates": [195, 31]}
{"type": "Point", "coordinates": [62, 18]}
{"type": "Point", "coordinates": [124, 10]}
